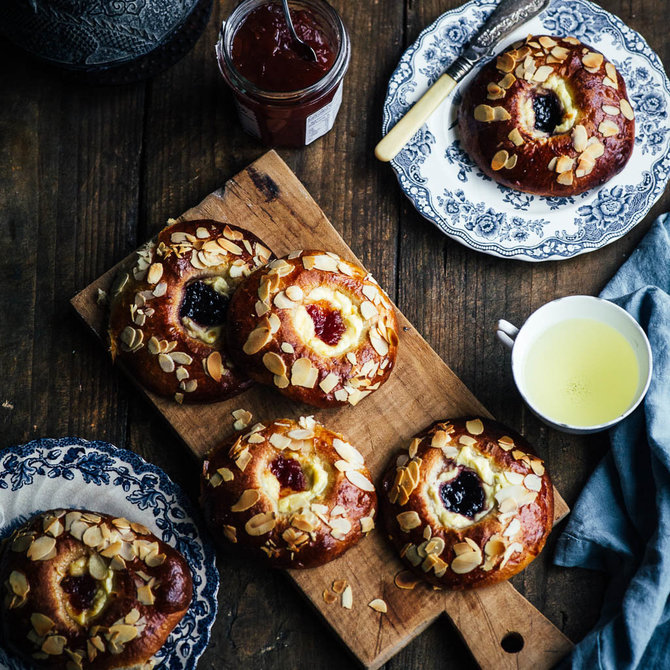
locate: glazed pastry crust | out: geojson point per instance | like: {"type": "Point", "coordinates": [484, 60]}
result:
{"type": "Point", "coordinates": [271, 336]}
{"type": "Point", "coordinates": [142, 596]}
{"type": "Point", "coordinates": [501, 541]}
{"type": "Point", "coordinates": [496, 121]}
{"type": "Point", "coordinates": [165, 353]}
{"type": "Point", "coordinates": [246, 506]}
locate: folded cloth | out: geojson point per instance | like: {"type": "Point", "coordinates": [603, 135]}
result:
{"type": "Point", "coordinates": [621, 522]}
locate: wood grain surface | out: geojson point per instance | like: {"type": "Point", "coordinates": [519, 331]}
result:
{"type": "Point", "coordinates": [86, 174]}
{"type": "Point", "coordinates": [267, 199]}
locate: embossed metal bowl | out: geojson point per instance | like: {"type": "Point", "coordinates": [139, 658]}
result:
{"type": "Point", "coordinates": [105, 41]}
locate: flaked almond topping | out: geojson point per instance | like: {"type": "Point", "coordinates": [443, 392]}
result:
{"type": "Point", "coordinates": [329, 382]}
{"type": "Point", "coordinates": [612, 83]}
{"type": "Point", "coordinates": [626, 109]}
{"type": "Point", "coordinates": [41, 549]}
{"type": "Point", "coordinates": [611, 71]}
{"type": "Point", "coordinates": [542, 73]}
{"type": "Point", "coordinates": [280, 441]}
{"type": "Point", "coordinates": [347, 598]}
{"type": "Point", "coordinates": [474, 427]}
{"type": "Point", "coordinates": [592, 60]}
{"type": "Point", "coordinates": [537, 467]}
{"type": "Point", "coordinates": [579, 137]}
{"type": "Point", "coordinates": [611, 110]}
{"type": "Point", "coordinates": [229, 246]}
{"type": "Point", "coordinates": [608, 128]}
{"type": "Point", "coordinates": [501, 114]}
{"type": "Point", "coordinates": [552, 163]}
{"type": "Point", "coordinates": [347, 452]}
{"type": "Point", "coordinates": [97, 567]}
{"type": "Point", "coordinates": [19, 583]}
{"type": "Point", "coordinates": [166, 363]}
{"type": "Point", "coordinates": [281, 301]}
{"type": "Point", "coordinates": [507, 81]}
{"type": "Point", "coordinates": [564, 164]}
{"type": "Point", "coordinates": [483, 113]}
{"type": "Point", "coordinates": [515, 137]}
{"type": "Point", "coordinates": [303, 373]}
{"type": "Point", "coordinates": [214, 366]}
{"type": "Point", "coordinates": [510, 163]}
{"type": "Point", "coordinates": [513, 528]}
{"type": "Point", "coordinates": [260, 524]}
{"type": "Point", "coordinates": [494, 92]}
{"type": "Point", "coordinates": [155, 273]}
{"type": "Point", "coordinates": [294, 293]}
{"type": "Point", "coordinates": [547, 42]}
{"type": "Point", "coordinates": [257, 339]}
{"type": "Point", "coordinates": [368, 310]}
{"type": "Point", "coordinates": [243, 459]}
{"type": "Point", "coordinates": [54, 645]}
{"type": "Point", "coordinates": [565, 178]}
{"type": "Point", "coordinates": [160, 290]}
{"type": "Point", "coordinates": [532, 482]}
{"type": "Point", "coordinates": [499, 159]}
{"type": "Point", "coordinates": [41, 623]}
{"type": "Point", "coordinates": [247, 500]}
{"type": "Point", "coordinates": [505, 62]}
{"type": "Point", "coordinates": [378, 605]}
{"type": "Point", "coordinates": [274, 363]}
{"type": "Point", "coordinates": [359, 480]}
{"type": "Point", "coordinates": [280, 382]}
{"type": "Point", "coordinates": [378, 343]}
{"type": "Point", "coordinates": [155, 559]}
{"type": "Point", "coordinates": [466, 562]}
{"type": "Point", "coordinates": [367, 524]}
{"type": "Point", "coordinates": [467, 440]}
{"type": "Point", "coordinates": [408, 520]}
{"type": "Point", "coordinates": [594, 149]}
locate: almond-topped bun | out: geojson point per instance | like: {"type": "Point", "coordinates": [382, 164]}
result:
{"type": "Point", "coordinates": [548, 116]}
{"type": "Point", "coordinates": [316, 327]}
{"type": "Point", "coordinates": [167, 312]}
{"type": "Point", "coordinates": [294, 493]}
{"type": "Point", "coordinates": [469, 505]}
{"type": "Point", "coordinates": [87, 590]}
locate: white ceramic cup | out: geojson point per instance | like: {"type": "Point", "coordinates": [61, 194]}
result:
{"type": "Point", "coordinates": [576, 307]}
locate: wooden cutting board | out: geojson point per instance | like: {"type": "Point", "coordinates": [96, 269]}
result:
{"type": "Point", "coordinates": [268, 199]}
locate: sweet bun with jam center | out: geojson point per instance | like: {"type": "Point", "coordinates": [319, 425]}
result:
{"type": "Point", "coordinates": [316, 327]}
{"type": "Point", "coordinates": [167, 312]}
{"type": "Point", "coordinates": [87, 590]}
{"type": "Point", "coordinates": [549, 116]}
{"type": "Point", "coordinates": [293, 493]}
{"type": "Point", "coordinates": [468, 505]}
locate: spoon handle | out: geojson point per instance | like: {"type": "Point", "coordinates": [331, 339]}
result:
{"type": "Point", "coordinates": [404, 130]}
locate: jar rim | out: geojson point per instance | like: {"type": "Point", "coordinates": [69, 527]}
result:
{"type": "Point", "coordinates": [235, 78]}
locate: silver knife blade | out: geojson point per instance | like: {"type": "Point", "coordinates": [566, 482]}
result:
{"type": "Point", "coordinates": [505, 18]}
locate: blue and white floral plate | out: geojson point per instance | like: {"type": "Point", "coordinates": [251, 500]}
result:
{"type": "Point", "coordinates": [70, 472]}
{"type": "Point", "coordinates": [446, 186]}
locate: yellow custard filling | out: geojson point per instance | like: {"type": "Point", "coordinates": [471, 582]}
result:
{"type": "Point", "coordinates": [351, 316]}
{"type": "Point", "coordinates": [558, 86]}
{"type": "Point", "coordinates": [79, 568]}
{"type": "Point", "coordinates": [316, 476]}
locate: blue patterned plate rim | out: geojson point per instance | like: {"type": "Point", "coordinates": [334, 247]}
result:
{"type": "Point", "coordinates": [496, 220]}
{"type": "Point", "coordinates": [137, 484]}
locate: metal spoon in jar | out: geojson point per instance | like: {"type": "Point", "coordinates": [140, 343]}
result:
{"type": "Point", "coordinates": [302, 49]}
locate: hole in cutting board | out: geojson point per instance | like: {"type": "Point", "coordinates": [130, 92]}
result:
{"type": "Point", "coordinates": [512, 643]}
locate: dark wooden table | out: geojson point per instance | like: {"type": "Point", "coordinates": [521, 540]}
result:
{"type": "Point", "coordinates": [87, 174]}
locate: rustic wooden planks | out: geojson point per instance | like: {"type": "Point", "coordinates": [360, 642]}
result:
{"type": "Point", "coordinates": [269, 200]}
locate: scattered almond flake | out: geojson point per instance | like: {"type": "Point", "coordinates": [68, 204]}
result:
{"type": "Point", "coordinates": [378, 605]}
{"type": "Point", "coordinates": [329, 597]}
{"type": "Point", "coordinates": [474, 427]}
{"type": "Point", "coordinates": [532, 482]}
{"type": "Point", "coordinates": [347, 598]}
{"type": "Point", "coordinates": [329, 382]}
{"type": "Point", "coordinates": [405, 579]}
{"type": "Point", "coordinates": [626, 109]}
{"type": "Point", "coordinates": [303, 373]}
{"type": "Point", "coordinates": [7, 405]}
{"type": "Point", "coordinates": [287, 348]}
{"type": "Point", "coordinates": [359, 480]}
{"type": "Point", "coordinates": [367, 524]}
{"type": "Point", "coordinates": [339, 585]}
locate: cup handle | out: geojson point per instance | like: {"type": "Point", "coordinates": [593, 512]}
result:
{"type": "Point", "coordinates": [507, 333]}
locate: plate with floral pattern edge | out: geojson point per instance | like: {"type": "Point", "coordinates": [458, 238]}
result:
{"type": "Point", "coordinates": [74, 473]}
{"type": "Point", "coordinates": [483, 215]}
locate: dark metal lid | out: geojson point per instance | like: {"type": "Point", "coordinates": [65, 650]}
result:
{"type": "Point", "coordinates": [106, 41]}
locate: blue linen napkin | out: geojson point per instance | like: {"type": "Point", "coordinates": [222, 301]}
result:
{"type": "Point", "coordinates": [621, 522]}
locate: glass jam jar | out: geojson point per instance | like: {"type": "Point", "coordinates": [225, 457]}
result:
{"type": "Point", "coordinates": [282, 99]}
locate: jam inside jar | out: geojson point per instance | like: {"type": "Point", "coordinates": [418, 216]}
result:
{"type": "Point", "coordinates": [282, 99]}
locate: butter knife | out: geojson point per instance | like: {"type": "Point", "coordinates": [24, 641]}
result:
{"type": "Point", "coordinates": [505, 18]}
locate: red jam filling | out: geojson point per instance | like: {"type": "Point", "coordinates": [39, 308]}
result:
{"type": "Point", "coordinates": [289, 473]}
{"type": "Point", "coordinates": [81, 590]}
{"type": "Point", "coordinates": [328, 323]}
{"type": "Point", "coordinates": [263, 50]}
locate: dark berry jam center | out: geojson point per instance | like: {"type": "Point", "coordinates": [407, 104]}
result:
{"type": "Point", "coordinates": [289, 473]}
{"type": "Point", "coordinates": [464, 493]}
{"type": "Point", "coordinates": [548, 112]}
{"type": "Point", "coordinates": [203, 304]}
{"type": "Point", "coordinates": [328, 323]}
{"type": "Point", "coordinates": [81, 589]}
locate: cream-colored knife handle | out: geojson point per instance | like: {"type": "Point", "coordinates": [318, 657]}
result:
{"type": "Point", "coordinates": [404, 130]}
